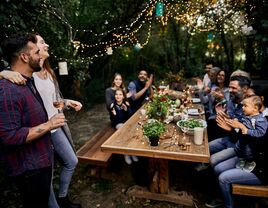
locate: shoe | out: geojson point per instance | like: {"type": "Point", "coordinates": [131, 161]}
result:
{"type": "Point", "coordinates": [128, 159]}
{"type": "Point", "coordinates": [135, 158]}
{"type": "Point", "coordinates": [64, 202]}
{"type": "Point", "coordinates": [241, 163]}
{"type": "Point", "coordinates": [249, 166]}
{"type": "Point", "coordinates": [214, 203]}
{"type": "Point", "coordinates": [201, 166]}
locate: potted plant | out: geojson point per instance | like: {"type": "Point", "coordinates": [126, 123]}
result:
{"type": "Point", "coordinates": [153, 130]}
{"type": "Point", "coordinates": [158, 107]}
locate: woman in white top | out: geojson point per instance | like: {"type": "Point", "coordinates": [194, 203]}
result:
{"type": "Point", "coordinates": [46, 84]}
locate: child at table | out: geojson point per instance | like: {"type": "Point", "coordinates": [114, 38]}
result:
{"type": "Point", "coordinates": [253, 126]}
{"type": "Point", "coordinates": [120, 112]}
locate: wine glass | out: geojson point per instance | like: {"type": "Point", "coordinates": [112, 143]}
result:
{"type": "Point", "coordinates": [58, 101]}
{"type": "Point", "coordinates": [162, 87]}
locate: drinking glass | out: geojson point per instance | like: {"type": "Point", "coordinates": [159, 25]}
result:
{"type": "Point", "coordinates": [58, 101]}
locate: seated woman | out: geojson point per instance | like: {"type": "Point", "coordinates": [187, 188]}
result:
{"type": "Point", "coordinates": [219, 95]}
{"type": "Point", "coordinates": [110, 91]}
{"type": "Point", "coordinates": [117, 83]}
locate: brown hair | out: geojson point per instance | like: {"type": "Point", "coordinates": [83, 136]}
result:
{"type": "Point", "coordinates": [48, 68]}
{"type": "Point", "coordinates": [123, 91]}
{"type": "Point", "coordinates": [256, 101]}
{"type": "Point", "coordinates": [122, 85]}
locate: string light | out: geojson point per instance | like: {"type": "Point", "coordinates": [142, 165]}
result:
{"type": "Point", "coordinates": [197, 16]}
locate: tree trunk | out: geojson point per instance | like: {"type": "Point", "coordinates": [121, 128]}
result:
{"type": "Point", "coordinates": [176, 37]}
{"type": "Point", "coordinates": [226, 49]}
{"type": "Point", "coordinates": [77, 89]}
{"type": "Point", "coordinates": [187, 44]}
{"type": "Point", "coordinates": [250, 56]}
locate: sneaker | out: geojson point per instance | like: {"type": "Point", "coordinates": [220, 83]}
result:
{"type": "Point", "coordinates": [201, 166]}
{"type": "Point", "coordinates": [128, 159]}
{"type": "Point", "coordinates": [135, 158]}
{"type": "Point", "coordinates": [213, 203]}
{"type": "Point", "coordinates": [249, 166]}
{"type": "Point", "coordinates": [241, 163]}
{"type": "Point", "coordinates": [66, 203]}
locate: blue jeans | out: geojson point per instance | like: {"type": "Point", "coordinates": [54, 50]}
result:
{"type": "Point", "coordinates": [228, 174]}
{"type": "Point", "coordinates": [243, 149]}
{"type": "Point", "coordinates": [219, 144]}
{"type": "Point", "coordinates": [221, 156]}
{"type": "Point", "coordinates": [68, 161]}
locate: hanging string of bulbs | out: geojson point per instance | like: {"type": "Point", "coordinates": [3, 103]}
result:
{"type": "Point", "coordinates": [198, 15]}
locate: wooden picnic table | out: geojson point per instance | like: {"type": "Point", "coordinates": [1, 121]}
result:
{"type": "Point", "coordinates": [129, 140]}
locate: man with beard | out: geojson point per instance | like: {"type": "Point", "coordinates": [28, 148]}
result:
{"type": "Point", "coordinates": [238, 86]}
{"type": "Point", "coordinates": [25, 139]}
{"type": "Point", "coordinates": [222, 149]}
{"type": "Point", "coordinates": [140, 90]}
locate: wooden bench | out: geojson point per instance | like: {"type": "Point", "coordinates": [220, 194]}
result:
{"type": "Point", "coordinates": [251, 190]}
{"type": "Point", "coordinates": [91, 152]}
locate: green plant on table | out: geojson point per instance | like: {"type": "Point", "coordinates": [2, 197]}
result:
{"type": "Point", "coordinates": [158, 107]}
{"type": "Point", "coordinates": [153, 129]}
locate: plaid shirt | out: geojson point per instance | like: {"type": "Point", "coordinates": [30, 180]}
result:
{"type": "Point", "coordinates": [21, 108]}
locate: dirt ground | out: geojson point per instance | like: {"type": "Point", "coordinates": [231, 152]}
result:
{"type": "Point", "coordinates": [108, 187]}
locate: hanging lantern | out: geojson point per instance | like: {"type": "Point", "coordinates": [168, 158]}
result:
{"type": "Point", "coordinates": [137, 47]}
{"type": "Point", "coordinates": [159, 9]}
{"type": "Point", "coordinates": [63, 70]}
{"type": "Point", "coordinates": [210, 37]}
{"type": "Point", "coordinates": [109, 51]}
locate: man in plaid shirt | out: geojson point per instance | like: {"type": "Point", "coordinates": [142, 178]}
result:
{"type": "Point", "coordinates": [25, 143]}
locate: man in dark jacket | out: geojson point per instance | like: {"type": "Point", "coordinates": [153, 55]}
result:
{"type": "Point", "coordinates": [140, 89]}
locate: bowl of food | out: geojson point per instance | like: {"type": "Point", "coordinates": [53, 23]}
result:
{"type": "Point", "coordinates": [188, 125]}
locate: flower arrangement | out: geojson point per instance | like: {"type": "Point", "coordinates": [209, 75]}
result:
{"type": "Point", "coordinates": [158, 107]}
{"type": "Point", "coordinates": [176, 80]}
{"type": "Point", "coordinates": [171, 77]}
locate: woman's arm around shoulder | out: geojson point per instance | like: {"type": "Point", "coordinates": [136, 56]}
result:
{"type": "Point", "coordinates": [14, 77]}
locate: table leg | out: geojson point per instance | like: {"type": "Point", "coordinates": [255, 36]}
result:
{"type": "Point", "coordinates": [159, 185]}
{"type": "Point", "coordinates": [158, 176]}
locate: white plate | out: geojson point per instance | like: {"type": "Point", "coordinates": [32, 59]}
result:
{"type": "Point", "coordinates": [194, 112]}
{"type": "Point", "coordinates": [196, 100]}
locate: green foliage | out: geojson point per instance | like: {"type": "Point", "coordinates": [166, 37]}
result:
{"type": "Point", "coordinates": [94, 92]}
{"type": "Point", "coordinates": [170, 48]}
{"type": "Point", "coordinates": [153, 129]}
{"type": "Point", "coordinates": [158, 107]}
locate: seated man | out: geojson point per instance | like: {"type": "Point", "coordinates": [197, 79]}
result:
{"type": "Point", "coordinates": [140, 90]}
{"type": "Point", "coordinates": [237, 87]}
{"type": "Point", "coordinates": [223, 148]}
